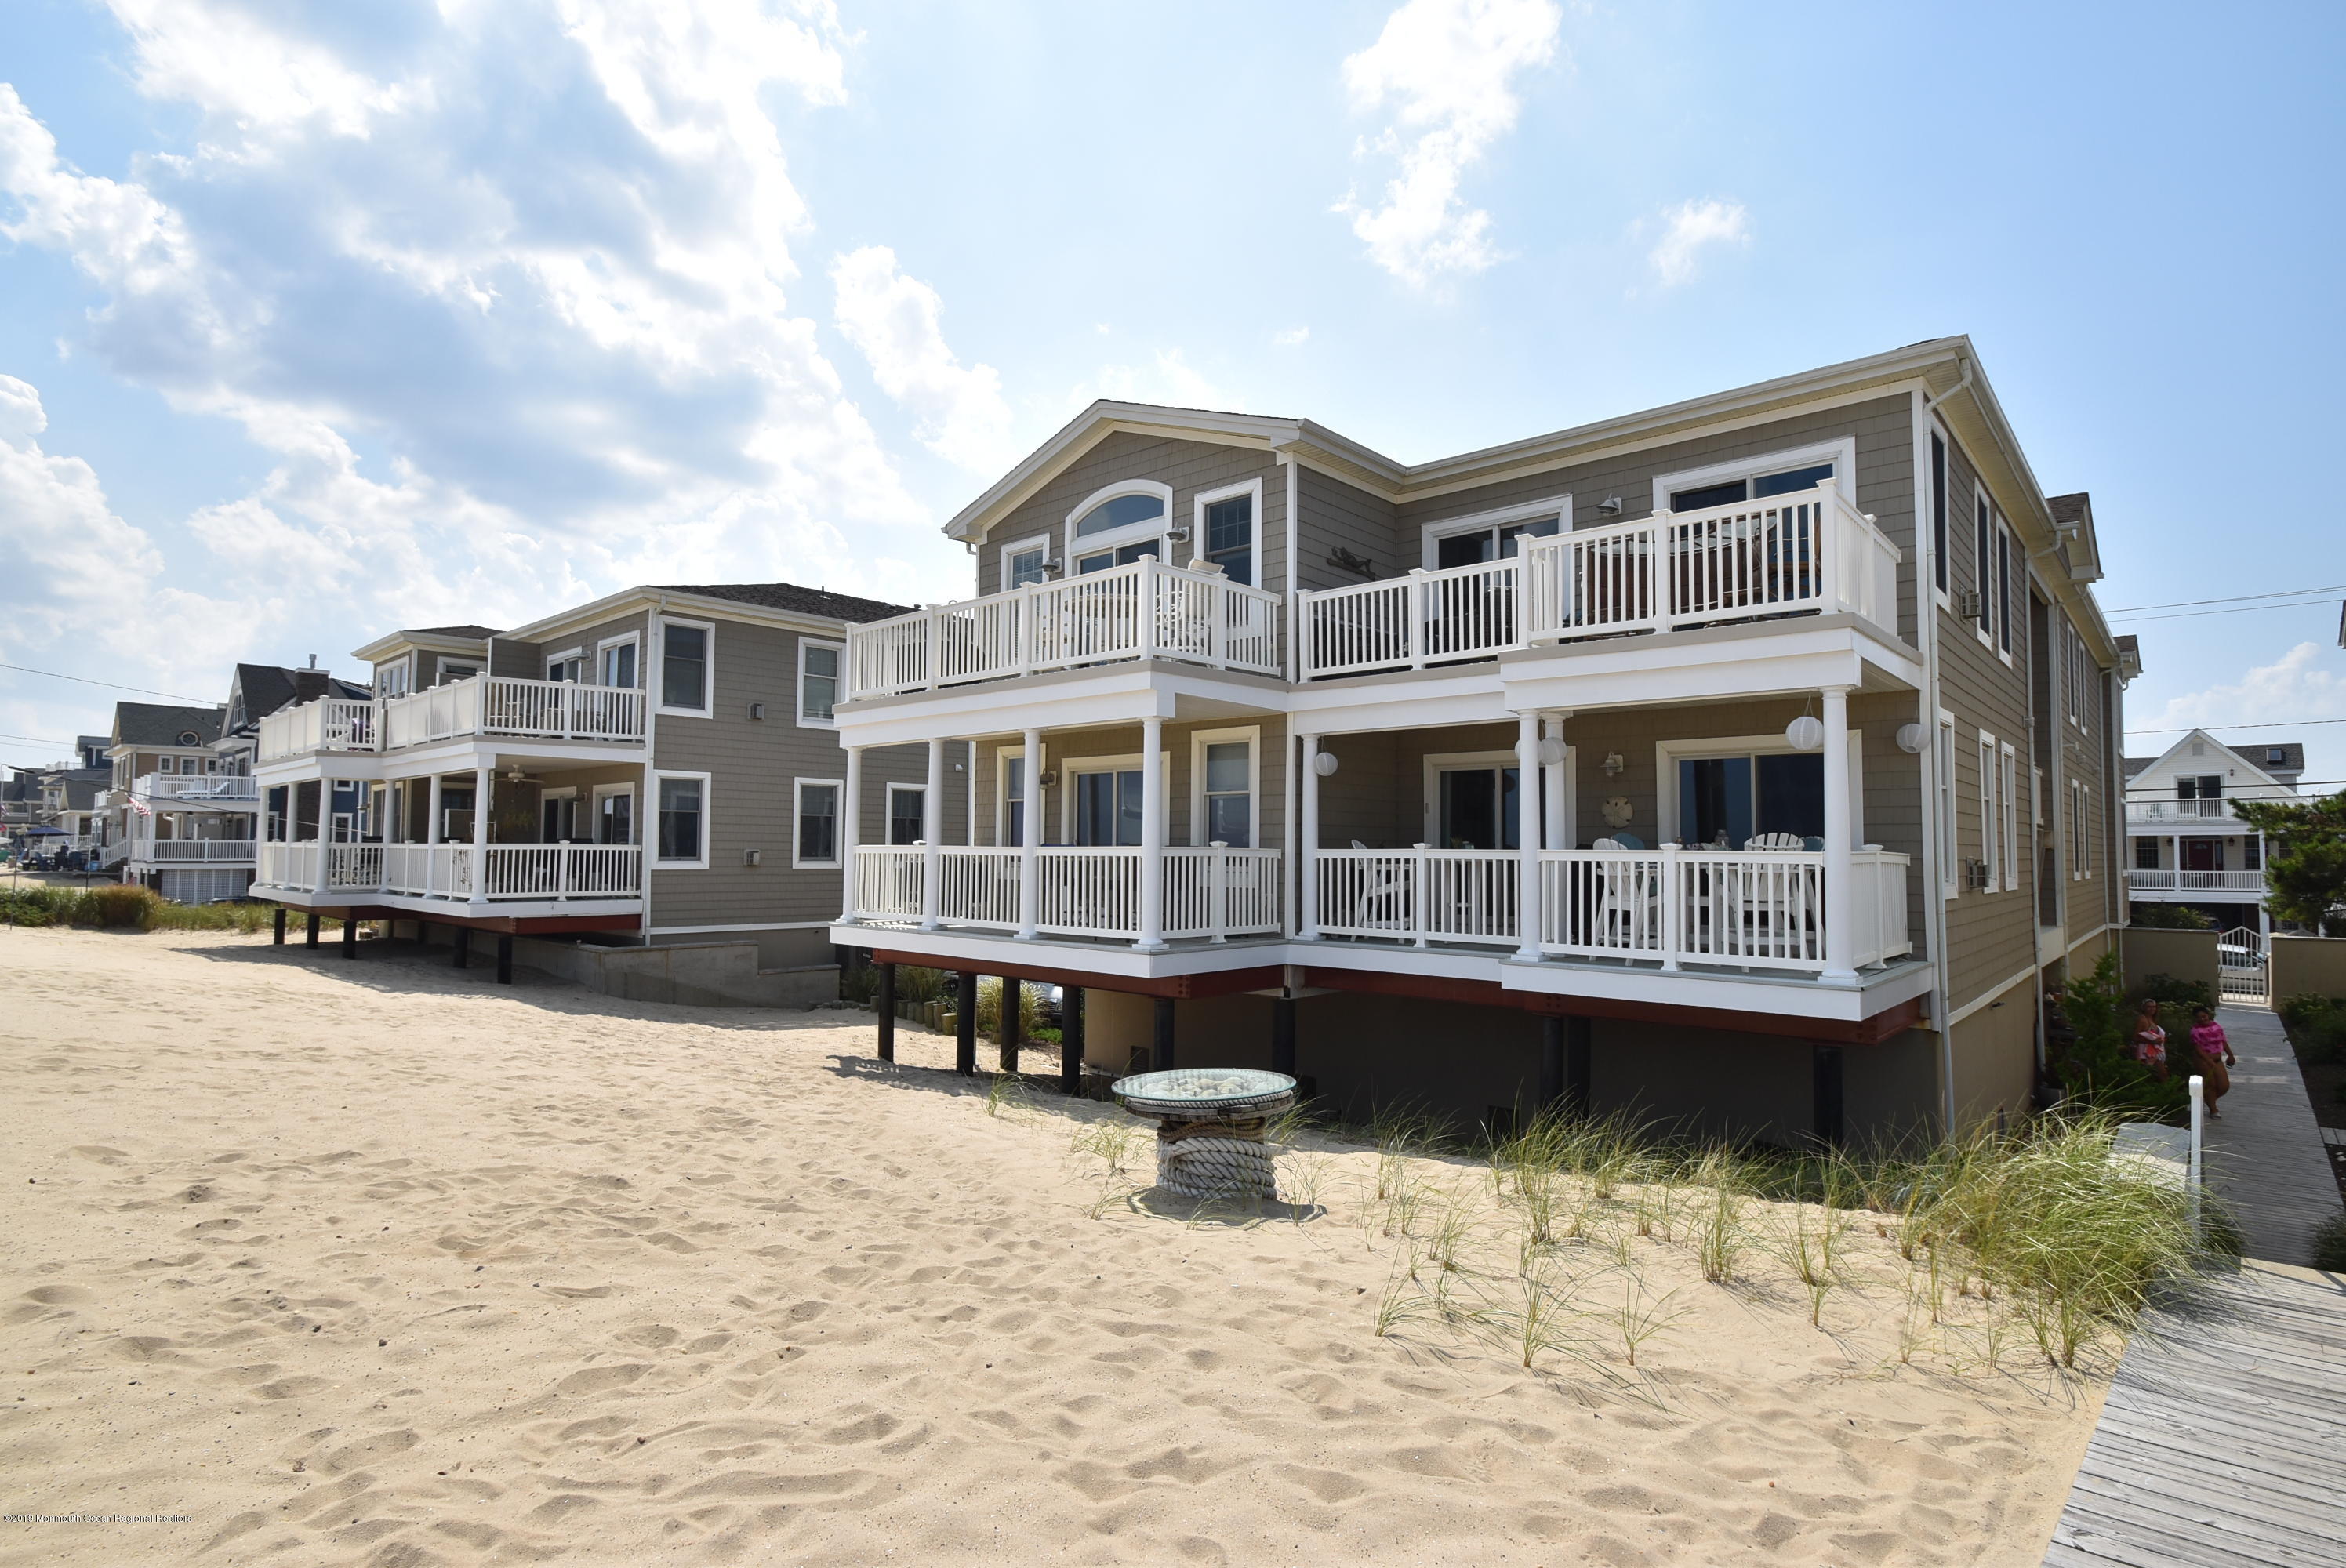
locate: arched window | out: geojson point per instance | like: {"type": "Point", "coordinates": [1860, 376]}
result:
{"type": "Point", "coordinates": [1119, 525]}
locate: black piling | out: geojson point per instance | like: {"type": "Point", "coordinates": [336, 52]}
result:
{"type": "Point", "coordinates": [965, 1023]}
{"type": "Point", "coordinates": [279, 923]}
{"type": "Point", "coordinates": [504, 959]}
{"type": "Point", "coordinates": [886, 1006]}
{"type": "Point", "coordinates": [1013, 1026]}
{"type": "Point", "coordinates": [1160, 1052]}
{"type": "Point", "coordinates": [1071, 1041]}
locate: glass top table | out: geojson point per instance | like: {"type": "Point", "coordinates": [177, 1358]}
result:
{"type": "Point", "coordinates": [1205, 1093]}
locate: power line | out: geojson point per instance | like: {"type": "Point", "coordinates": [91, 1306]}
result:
{"type": "Point", "coordinates": [2276, 724]}
{"type": "Point", "coordinates": [2242, 610]}
{"type": "Point", "coordinates": [2233, 599]}
{"type": "Point", "coordinates": [116, 685]}
{"type": "Point", "coordinates": [37, 739]}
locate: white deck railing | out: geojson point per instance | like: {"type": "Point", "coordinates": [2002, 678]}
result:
{"type": "Point", "coordinates": [1751, 908]}
{"type": "Point", "coordinates": [478, 705]}
{"type": "Point", "coordinates": [197, 788]}
{"type": "Point", "coordinates": [2172, 881]}
{"type": "Point", "coordinates": [1808, 551]}
{"type": "Point", "coordinates": [191, 851]}
{"type": "Point", "coordinates": [514, 872]}
{"type": "Point", "coordinates": [1211, 892]}
{"type": "Point", "coordinates": [2179, 811]}
{"type": "Point", "coordinates": [1144, 610]}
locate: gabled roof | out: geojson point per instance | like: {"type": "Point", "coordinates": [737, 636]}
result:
{"type": "Point", "coordinates": [2137, 766]}
{"type": "Point", "coordinates": [477, 634]}
{"type": "Point", "coordinates": [2073, 523]}
{"type": "Point", "coordinates": [798, 600]}
{"type": "Point", "coordinates": [154, 724]}
{"type": "Point", "coordinates": [2292, 758]}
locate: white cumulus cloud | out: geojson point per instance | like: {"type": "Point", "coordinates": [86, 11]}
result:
{"type": "Point", "coordinates": [1445, 71]}
{"type": "Point", "coordinates": [2304, 683]}
{"type": "Point", "coordinates": [896, 322]}
{"type": "Point", "coordinates": [1691, 227]}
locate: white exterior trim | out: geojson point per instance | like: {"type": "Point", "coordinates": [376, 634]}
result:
{"type": "Point", "coordinates": [1001, 584]}
{"type": "Point", "coordinates": [1198, 740]}
{"type": "Point", "coordinates": [649, 831]}
{"type": "Point", "coordinates": [888, 809]}
{"type": "Point", "coordinates": [1989, 998]}
{"type": "Point", "coordinates": [1131, 533]}
{"type": "Point", "coordinates": [1437, 763]}
{"type": "Point", "coordinates": [657, 690]}
{"type": "Point", "coordinates": [1069, 766]}
{"type": "Point", "coordinates": [1430, 535]}
{"type": "Point", "coordinates": [1842, 453]}
{"type": "Point", "coordinates": [1669, 753]}
{"type": "Point", "coordinates": [606, 645]}
{"type": "Point", "coordinates": [718, 930]}
{"type": "Point", "coordinates": [838, 683]}
{"type": "Point", "coordinates": [838, 787]}
{"type": "Point", "coordinates": [1204, 498]}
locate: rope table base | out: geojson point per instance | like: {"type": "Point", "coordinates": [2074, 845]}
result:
{"type": "Point", "coordinates": [1210, 1127]}
{"type": "Point", "coordinates": [1215, 1159]}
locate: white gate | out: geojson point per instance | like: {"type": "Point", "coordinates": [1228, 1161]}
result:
{"type": "Point", "coordinates": [2240, 964]}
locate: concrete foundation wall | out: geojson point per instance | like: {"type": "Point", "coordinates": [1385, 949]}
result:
{"type": "Point", "coordinates": [1462, 1060]}
{"type": "Point", "coordinates": [1995, 1058]}
{"type": "Point", "coordinates": [2307, 963]}
{"type": "Point", "coordinates": [725, 973]}
{"type": "Point", "coordinates": [2181, 954]}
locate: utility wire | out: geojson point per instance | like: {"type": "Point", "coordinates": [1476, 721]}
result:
{"type": "Point", "coordinates": [2242, 610]}
{"type": "Point", "coordinates": [37, 739]}
{"type": "Point", "coordinates": [116, 685]}
{"type": "Point", "coordinates": [2233, 599]}
{"type": "Point", "coordinates": [2276, 724]}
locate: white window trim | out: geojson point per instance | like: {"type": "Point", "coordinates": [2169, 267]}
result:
{"type": "Point", "coordinates": [608, 644]}
{"type": "Point", "coordinates": [838, 684]}
{"type": "Point", "coordinates": [1205, 498]}
{"type": "Point", "coordinates": [578, 653]}
{"type": "Point", "coordinates": [1943, 566]}
{"type": "Point", "coordinates": [658, 678]}
{"type": "Point", "coordinates": [1990, 820]}
{"type": "Point", "coordinates": [635, 817]}
{"type": "Point", "coordinates": [1002, 756]}
{"type": "Point", "coordinates": [2081, 858]}
{"type": "Point", "coordinates": [405, 665]}
{"type": "Point", "coordinates": [1668, 754]}
{"type": "Point", "coordinates": [1841, 454]}
{"type": "Point", "coordinates": [838, 787]}
{"type": "Point", "coordinates": [2008, 786]}
{"type": "Point", "coordinates": [1431, 535]}
{"type": "Point", "coordinates": [440, 670]}
{"type": "Point", "coordinates": [1437, 763]}
{"type": "Point", "coordinates": [1018, 547]}
{"type": "Point", "coordinates": [1951, 881]}
{"type": "Point", "coordinates": [888, 806]}
{"type": "Point", "coordinates": [1198, 740]}
{"type": "Point", "coordinates": [648, 831]}
{"type": "Point", "coordinates": [1131, 533]}
{"type": "Point", "coordinates": [2015, 592]}
{"type": "Point", "coordinates": [1071, 766]}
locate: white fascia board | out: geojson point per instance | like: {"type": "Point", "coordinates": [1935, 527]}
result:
{"type": "Point", "coordinates": [459, 756]}
{"type": "Point", "coordinates": [649, 600]}
{"type": "Point", "coordinates": [1648, 671]}
{"type": "Point", "coordinates": [1113, 961]}
{"type": "Point", "coordinates": [1060, 699]}
{"type": "Point", "coordinates": [501, 909]}
{"type": "Point", "coordinates": [393, 644]}
{"type": "Point", "coordinates": [1414, 700]}
{"type": "Point", "coordinates": [1788, 996]}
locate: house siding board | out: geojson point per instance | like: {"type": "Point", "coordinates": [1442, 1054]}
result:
{"type": "Point", "coordinates": [1189, 466]}
{"type": "Point", "coordinates": [1333, 515]}
{"type": "Point", "coordinates": [1881, 429]}
{"type": "Point", "coordinates": [1063, 752]}
{"type": "Point", "coordinates": [754, 764]}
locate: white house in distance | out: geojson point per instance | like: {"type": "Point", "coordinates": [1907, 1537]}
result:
{"type": "Point", "coordinates": [2185, 844]}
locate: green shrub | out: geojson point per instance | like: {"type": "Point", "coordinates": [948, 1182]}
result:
{"type": "Point", "coordinates": [2169, 992]}
{"type": "Point", "coordinates": [27, 906]}
{"type": "Point", "coordinates": [2330, 1245]}
{"type": "Point", "coordinates": [2170, 917]}
{"type": "Point", "coordinates": [2302, 1008]}
{"type": "Point", "coordinates": [121, 906]}
{"type": "Point", "coordinates": [989, 1010]}
{"type": "Point", "coordinates": [2098, 1068]}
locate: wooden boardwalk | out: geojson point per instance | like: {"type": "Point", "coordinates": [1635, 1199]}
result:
{"type": "Point", "coordinates": [2265, 1156]}
{"type": "Point", "coordinates": [2220, 1442]}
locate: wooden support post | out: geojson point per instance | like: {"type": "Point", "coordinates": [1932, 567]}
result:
{"type": "Point", "coordinates": [350, 935]}
{"type": "Point", "coordinates": [965, 1023]}
{"type": "Point", "coordinates": [1282, 1035]}
{"type": "Point", "coordinates": [1071, 1041]}
{"type": "Point", "coordinates": [886, 1003]}
{"type": "Point", "coordinates": [1160, 1046]}
{"type": "Point", "coordinates": [463, 946]}
{"type": "Point", "coordinates": [309, 931]}
{"type": "Point", "coordinates": [280, 924]}
{"type": "Point", "coordinates": [504, 959]}
{"type": "Point", "coordinates": [1011, 1023]}
{"type": "Point", "coordinates": [1826, 1077]}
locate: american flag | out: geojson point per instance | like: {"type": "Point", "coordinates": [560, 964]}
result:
{"type": "Point", "coordinates": [141, 807]}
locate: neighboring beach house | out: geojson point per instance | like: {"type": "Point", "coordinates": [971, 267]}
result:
{"type": "Point", "coordinates": [646, 788]}
{"type": "Point", "coordinates": [2185, 843]}
{"type": "Point", "coordinates": [174, 821]}
{"type": "Point", "coordinates": [1751, 759]}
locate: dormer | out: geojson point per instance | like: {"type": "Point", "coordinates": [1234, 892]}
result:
{"type": "Point", "coordinates": [424, 656]}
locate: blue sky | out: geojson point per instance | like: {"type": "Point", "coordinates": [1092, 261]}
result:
{"type": "Point", "coordinates": [322, 319]}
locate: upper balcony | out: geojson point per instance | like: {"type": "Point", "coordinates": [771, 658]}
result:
{"type": "Point", "coordinates": [1804, 553]}
{"type": "Point", "coordinates": [228, 791]}
{"type": "Point", "coordinates": [1142, 611]}
{"type": "Point", "coordinates": [2184, 815]}
{"type": "Point", "coordinates": [481, 705]}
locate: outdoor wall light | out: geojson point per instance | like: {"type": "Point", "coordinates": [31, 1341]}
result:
{"type": "Point", "coordinates": [757, 710]}
{"type": "Point", "coordinates": [1910, 737]}
{"type": "Point", "coordinates": [1046, 778]}
{"type": "Point", "coordinates": [752, 857]}
{"type": "Point", "coordinates": [1324, 764]}
{"type": "Point", "coordinates": [1613, 764]}
{"type": "Point", "coordinates": [1611, 506]}
{"type": "Point", "coordinates": [1806, 733]}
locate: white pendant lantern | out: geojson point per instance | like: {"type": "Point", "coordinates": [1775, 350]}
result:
{"type": "Point", "coordinates": [1551, 753]}
{"type": "Point", "coordinates": [1324, 764]}
{"type": "Point", "coordinates": [1910, 737]}
{"type": "Point", "coordinates": [1806, 733]}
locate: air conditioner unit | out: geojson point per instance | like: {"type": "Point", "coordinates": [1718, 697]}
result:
{"type": "Point", "coordinates": [1967, 604]}
{"type": "Point", "coordinates": [1975, 876]}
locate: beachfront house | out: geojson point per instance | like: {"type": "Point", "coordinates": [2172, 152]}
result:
{"type": "Point", "coordinates": [172, 822]}
{"type": "Point", "coordinates": [2185, 843]}
{"type": "Point", "coordinates": [1751, 759]}
{"type": "Point", "coordinates": [644, 793]}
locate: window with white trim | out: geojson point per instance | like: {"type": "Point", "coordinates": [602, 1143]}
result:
{"type": "Point", "coordinates": [1988, 816]}
{"type": "Point", "coordinates": [907, 812]}
{"type": "Point", "coordinates": [616, 662]}
{"type": "Point", "coordinates": [1758, 477]}
{"type": "Point", "coordinates": [571, 665]}
{"type": "Point", "coordinates": [1025, 562]}
{"type": "Point", "coordinates": [681, 839]}
{"type": "Point", "coordinates": [1950, 877]}
{"type": "Point", "coordinates": [1223, 787]}
{"type": "Point", "coordinates": [1010, 781]}
{"type": "Point", "coordinates": [1939, 510]}
{"type": "Point", "coordinates": [2009, 788]}
{"type": "Point", "coordinates": [819, 682]}
{"type": "Point", "coordinates": [453, 670]}
{"type": "Point", "coordinates": [2081, 856]}
{"type": "Point", "coordinates": [684, 666]}
{"type": "Point", "coordinates": [391, 679]}
{"type": "Point", "coordinates": [1224, 529]}
{"type": "Point", "coordinates": [1120, 525]}
{"type": "Point", "coordinates": [815, 809]}
{"type": "Point", "coordinates": [615, 813]}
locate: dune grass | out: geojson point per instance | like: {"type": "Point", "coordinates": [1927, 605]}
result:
{"type": "Point", "coordinates": [126, 906]}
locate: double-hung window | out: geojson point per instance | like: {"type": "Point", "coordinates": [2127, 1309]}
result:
{"type": "Point", "coordinates": [1225, 529]}
{"type": "Point", "coordinates": [616, 663]}
{"type": "Point", "coordinates": [1026, 562]}
{"type": "Point", "coordinates": [1939, 510]}
{"type": "Point", "coordinates": [2081, 851]}
{"type": "Point", "coordinates": [1228, 793]}
{"type": "Point", "coordinates": [2009, 789]}
{"type": "Point", "coordinates": [684, 667]}
{"type": "Point", "coordinates": [1949, 883]}
{"type": "Point", "coordinates": [1988, 815]}
{"type": "Point", "coordinates": [683, 817]}
{"type": "Point", "coordinates": [1014, 797]}
{"type": "Point", "coordinates": [817, 843]}
{"type": "Point", "coordinates": [907, 813]}
{"type": "Point", "coordinates": [818, 682]}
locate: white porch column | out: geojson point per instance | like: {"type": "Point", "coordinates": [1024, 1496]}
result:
{"type": "Point", "coordinates": [484, 782]}
{"type": "Point", "coordinates": [1306, 870]}
{"type": "Point", "coordinates": [325, 833]}
{"type": "Point", "coordinates": [1840, 935]}
{"type": "Point", "coordinates": [1527, 837]}
{"type": "Point", "coordinates": [1551, 794]}
{"type": "Point", "coordinates": [932, 837]}
{"type": "Point", "coordinates": [851, 823]}
{"type": "Point", "coordinates": [1152, 830]}
{"type": "Point", "coordinates": [1030, 835]}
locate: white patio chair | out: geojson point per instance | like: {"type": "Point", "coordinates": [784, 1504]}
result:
{"type": "Point", "coordinates": [1772, 842]}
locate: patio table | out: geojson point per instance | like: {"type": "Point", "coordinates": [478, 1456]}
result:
{"type": "Point", "coordinates": [1210, 1127]}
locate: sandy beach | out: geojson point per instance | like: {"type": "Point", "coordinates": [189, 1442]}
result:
{"type": "Point", "coordinates": [373, 1262]}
